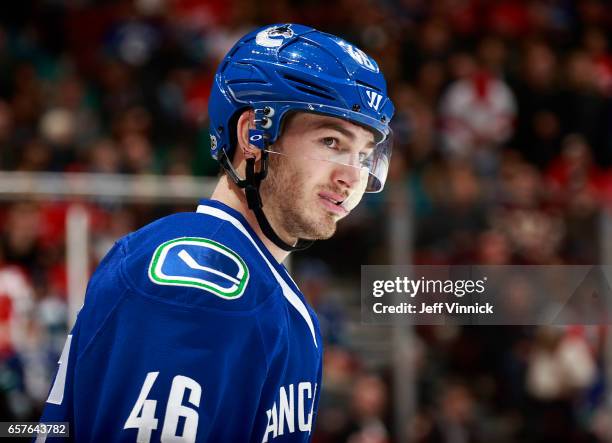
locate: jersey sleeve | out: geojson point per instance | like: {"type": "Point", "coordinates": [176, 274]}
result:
{"type": "Point", "coordinates": [59, 406]}
{"type": "Point", "coordinates": [142, 368]}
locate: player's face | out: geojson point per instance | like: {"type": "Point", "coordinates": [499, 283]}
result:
{"type": "Point", "coordinates": [301, 191]}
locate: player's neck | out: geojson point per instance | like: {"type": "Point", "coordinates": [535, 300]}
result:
{"type": "Point", "coordinates": [229, 194]}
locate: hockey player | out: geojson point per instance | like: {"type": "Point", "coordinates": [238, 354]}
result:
{"type": "Point", "coordinates": [192, 330]}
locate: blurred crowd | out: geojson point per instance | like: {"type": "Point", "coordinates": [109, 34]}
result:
{"type": "Point", "coordinates": [503, 148]}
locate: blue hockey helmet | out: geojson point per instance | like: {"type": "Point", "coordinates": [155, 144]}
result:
{"type": "Point", "coordinates": [289, 67]}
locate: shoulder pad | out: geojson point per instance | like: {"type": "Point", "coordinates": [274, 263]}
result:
{"type": "Point", "coordinates": [197, 261]}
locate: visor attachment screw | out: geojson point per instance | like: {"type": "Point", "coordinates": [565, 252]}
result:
{"type": "Point", "coordinates": [266, 122]}
{"type": "Point", "coordinates": [383, 119]}
{"type": "Point", "coordinates": [268, 111]}
{"type": "Point", "coordinates": [356, 108]}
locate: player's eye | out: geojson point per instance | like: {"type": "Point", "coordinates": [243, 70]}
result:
{"type": "Point", "coordinates": [331, 142]}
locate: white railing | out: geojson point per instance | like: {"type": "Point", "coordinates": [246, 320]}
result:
{"type": "Point", "coordinates": [128, 188]}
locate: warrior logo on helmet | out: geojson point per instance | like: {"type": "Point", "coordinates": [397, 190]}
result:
{"type": "Point", "coordinates": [270, 37]}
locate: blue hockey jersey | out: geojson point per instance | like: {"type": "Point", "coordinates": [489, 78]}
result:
{"type": "Point", "coordinates": [190, 332]}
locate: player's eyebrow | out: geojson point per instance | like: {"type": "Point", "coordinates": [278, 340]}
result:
{"type": "Point", "coordinates": [341, 129]}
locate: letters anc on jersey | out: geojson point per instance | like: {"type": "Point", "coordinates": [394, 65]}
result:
{"type": "Point", "coordinates": [200, 263]}
{"type": "Point", "coordinates": [287, 417]}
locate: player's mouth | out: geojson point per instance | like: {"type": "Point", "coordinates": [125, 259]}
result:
{"type": "Point", "coordinates": [333, 202]}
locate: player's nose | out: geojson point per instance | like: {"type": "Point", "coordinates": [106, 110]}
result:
{"type": "Point", "coordinates": [347, 176]}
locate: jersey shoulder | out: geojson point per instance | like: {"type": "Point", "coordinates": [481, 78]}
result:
{"type": "Point", "coordinates": [197, 260]}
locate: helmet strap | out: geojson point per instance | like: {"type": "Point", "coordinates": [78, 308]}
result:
{"type": "Point", "coordinates": [251, 184]}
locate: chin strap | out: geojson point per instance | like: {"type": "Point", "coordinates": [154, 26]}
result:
{"type": "Point", "coordinates": [250, 184]}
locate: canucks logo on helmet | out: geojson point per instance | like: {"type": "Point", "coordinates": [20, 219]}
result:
{"type": "Point", "coordinates": [270, 37]}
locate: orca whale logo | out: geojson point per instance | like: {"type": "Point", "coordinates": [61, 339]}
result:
{"type": "Point", "coordinates": [274, 37]}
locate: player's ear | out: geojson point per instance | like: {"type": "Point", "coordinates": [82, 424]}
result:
{"type": "Point", "coordinates": [245, 122]}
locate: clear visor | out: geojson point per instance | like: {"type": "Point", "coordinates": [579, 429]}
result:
{"type": "Point", "coordinates": [370, 162]}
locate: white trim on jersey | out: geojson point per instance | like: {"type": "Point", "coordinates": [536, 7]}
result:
{"type": "Point", "coordinates": [289, 294]}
